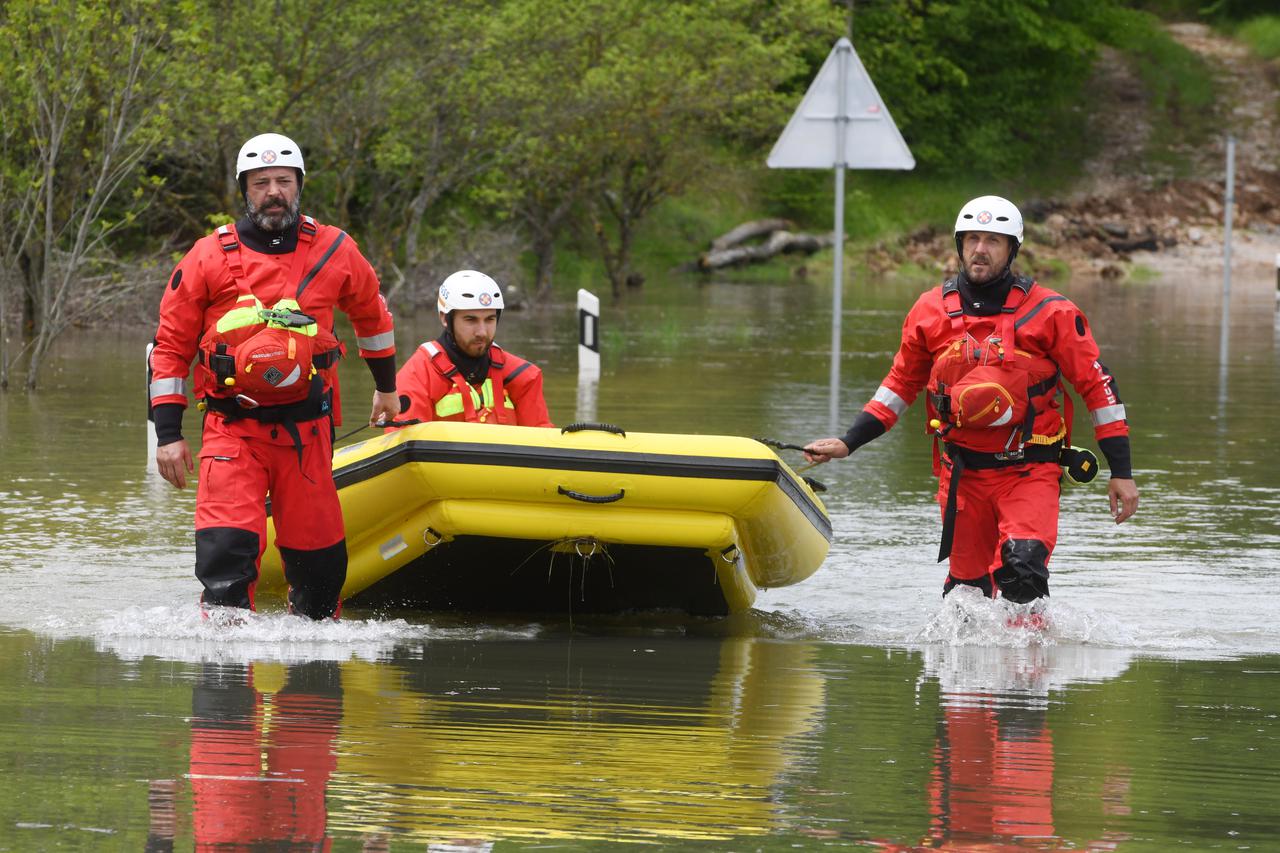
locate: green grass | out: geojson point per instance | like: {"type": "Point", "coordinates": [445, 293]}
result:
{"type": "Point", "coordinates": [1262, 34]}
{"type": "Point", "coordinates": [1139, 273]}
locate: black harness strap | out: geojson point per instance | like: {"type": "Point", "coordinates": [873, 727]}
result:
{"type": "Point", "coordinates": [963, 459]}
{"type": "Point", "coordinates": [319, 404]}
{"type": "Point", "coordinates": [315, 271]}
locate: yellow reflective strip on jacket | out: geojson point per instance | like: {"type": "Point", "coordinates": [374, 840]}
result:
{"type": "Point", "coordinates": [487, 390]}
{"type": "Point", "coordinates": [448, 405]}
{"type": "Point", "coordinates": [240, 316]}
{"type": "Point", "coordinates": [451, 403]}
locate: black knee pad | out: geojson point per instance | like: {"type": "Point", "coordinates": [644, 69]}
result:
{"type": "Point", "coordinates": [983, 583]}
{"type": "Point", "coordinates": [1024, 573]}
{"type": "Point", "coordinates": [315, 578]}
{"type": "Point", "coordinates": [227, 565]}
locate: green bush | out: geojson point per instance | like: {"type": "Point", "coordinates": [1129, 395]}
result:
{"type": "Point", "coordinates": [1262, 35]}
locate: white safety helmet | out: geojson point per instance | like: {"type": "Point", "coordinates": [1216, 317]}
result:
{"type": "Point", "coordinates": [269, 149]}
{"type": "Point", "coordinates": [990, 213]}
{"type": "Point", "coordinates": [468, 289]}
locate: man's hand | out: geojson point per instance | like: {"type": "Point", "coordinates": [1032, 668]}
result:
{"type": "Point", "coordinates": [386, 407]}
{"type": "Point", "coordinates": [174, 462]}
{"type": "Point", "coordinates": [823, 449]}
{"type": "Point", "coordinates": [1123, 495]}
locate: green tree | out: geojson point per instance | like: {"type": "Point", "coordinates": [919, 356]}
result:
{"type": "Point", "coordinates": [310, 70]}
{"type": "Point", "coordinates": [87, 80]}
{"type": "Point", "coordinates": [624, 96]}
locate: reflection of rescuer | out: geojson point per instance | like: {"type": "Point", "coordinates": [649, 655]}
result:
{"type": "Point", "coordinates": [260, 761]}
{"type": "Point", "coordinates": [993, 776]}
{"type": "Point", "coordinates": [463, 375]}
{"type": "Point", "coordinates": [991, 349]}
{"type": "Point", "coordinates": [253, 304]}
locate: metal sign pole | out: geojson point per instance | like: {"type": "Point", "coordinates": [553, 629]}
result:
{"type": "Point", "coordinates": [837, 280]}
{"type": "Point", "coordinates": [1224, 334]}
{"type": "Point", "coordinates": [1230, 205]}
{"type": "Point", "coordinates": [865, 138]}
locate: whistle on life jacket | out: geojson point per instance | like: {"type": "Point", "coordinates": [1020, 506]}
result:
{"type": "Point", "coordinates": [1080, 465]}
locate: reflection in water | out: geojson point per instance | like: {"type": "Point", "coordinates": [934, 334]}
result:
{"type": "Point", "coordinates": [574, 739]}
{"type": "Point", "coordinates": [163, 824]}
{"type": "Point", "coordinates": [458, 744]}
{"type": "Point", "coordinates": [262, 754]}
{"type": "Point", "coordinates": [992, 782]}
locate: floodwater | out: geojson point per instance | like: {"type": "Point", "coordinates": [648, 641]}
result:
{"type": "Point", "coordinates": [854, 710]}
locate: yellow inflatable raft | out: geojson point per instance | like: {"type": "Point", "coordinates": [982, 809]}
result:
{"type": "Point", "coordinates": [485, 518]}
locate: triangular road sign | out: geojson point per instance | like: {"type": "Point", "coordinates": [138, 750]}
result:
{"type": "Point", "coordinates": [871, 139]}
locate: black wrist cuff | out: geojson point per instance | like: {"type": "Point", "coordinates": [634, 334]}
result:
{"type": "Point", "coordinates": [384, 373]}
{"type": "Point", "coordinates": [168, 420]}
{"type": "Point", "coordinates": [1116, 449]}
{"type": "Point", "coordinates": [866, 426]}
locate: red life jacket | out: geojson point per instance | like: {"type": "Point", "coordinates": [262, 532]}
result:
{"type": "Point", "coordinates": [490, 403]}
{"type": "Point", "coordinates": [268, 356]}
{"type": "Point", "coordinates": [985, 395]}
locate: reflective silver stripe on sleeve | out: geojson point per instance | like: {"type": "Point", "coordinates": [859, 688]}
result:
{"type": "Point", "coordinates": [386, 340]}
{"type": "Point", "coordinates": [162, 387]}
{"type": "Point", "coordinates": [885, 397]}
{"type": "Point", "coordinates": [1108, 414]}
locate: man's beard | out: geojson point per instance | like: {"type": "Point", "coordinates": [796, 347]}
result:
{"type": "Point", "coordinates": [275, 221]}
{"type": "Point", "coordinates": [992, 274]}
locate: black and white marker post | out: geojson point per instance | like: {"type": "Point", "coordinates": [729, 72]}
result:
{"type": "Point", "coordinates": [588, 354]}
{"type": "Point", "coordinates": [152, 443]}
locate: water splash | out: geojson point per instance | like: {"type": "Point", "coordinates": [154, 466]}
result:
{"type": "Point", "coordinates": [224, 635]}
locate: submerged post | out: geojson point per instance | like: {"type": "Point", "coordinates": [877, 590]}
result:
{"type": "Point", "coordinates": [152, 442]}
{"type": "Point", "coordinates": [588, 354]}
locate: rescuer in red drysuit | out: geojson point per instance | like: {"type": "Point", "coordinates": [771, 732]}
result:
{"type": "Point", "coordinates": [463, 375]}
{"type": "Point", "coordinates": [991, 348]}
{"type": "Point", "coordinates": [253, 304]}
{"type": "Point", "coordinates": [261, 762]}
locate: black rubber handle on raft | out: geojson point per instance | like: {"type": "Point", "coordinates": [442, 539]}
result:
{"type": "Point", "coordinates": [591, 499]}
{"type": "Point", "coordinates": [580, 426]}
